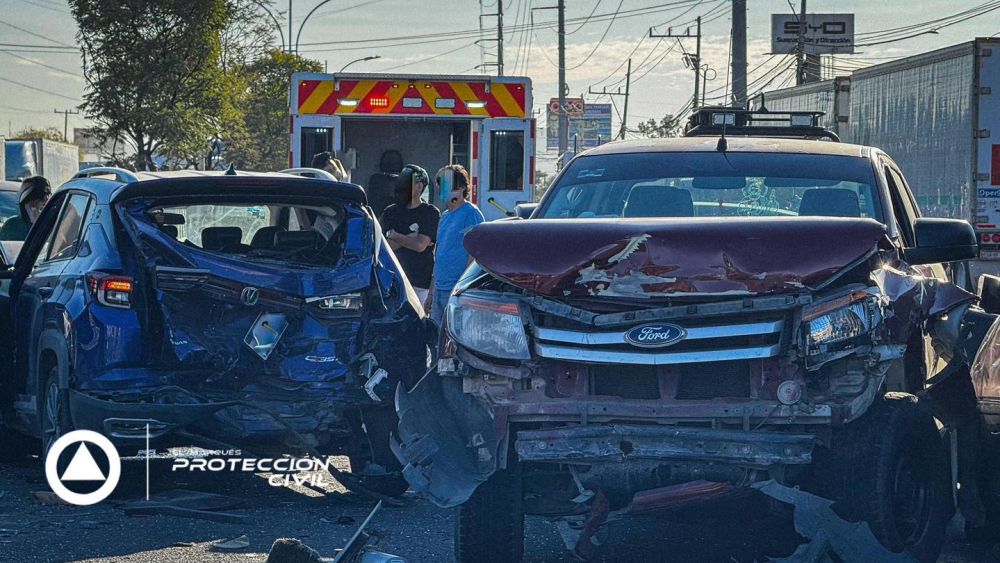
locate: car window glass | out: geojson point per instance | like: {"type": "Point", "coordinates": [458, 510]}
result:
{"type": "Point", "coordinates": [897, 191]}
{"type": "Point", "coordinates": [67, 234]}
{"type": "Point", "coordinates": [714, 185]}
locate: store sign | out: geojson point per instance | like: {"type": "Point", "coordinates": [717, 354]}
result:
{"type": "Point", "coordinates": [588, 129]}
{"type": "Point", "coordinates": [821, 34]}
{"type": "Point", "coordinates": [574, 106]}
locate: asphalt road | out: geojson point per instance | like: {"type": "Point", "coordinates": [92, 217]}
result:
{"type": "Point", "coordinates": [324, 519]}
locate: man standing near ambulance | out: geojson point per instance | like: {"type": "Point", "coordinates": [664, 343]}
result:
{"type": "Point", "coordinates": [451, 258]}
{"type": "Point", "coordinates": [410, 226]}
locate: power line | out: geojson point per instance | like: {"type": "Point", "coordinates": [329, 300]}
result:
{"type": "Point", "coordinates": [430, 58]}
{"type": "Point", "coordinates": [587, 20]}
{"type": "Point", "coordinates": [599, 41]}
{"type": "Point", "coordinates": [32, 61]}
{"type": "Point", "coordinates": [38, 35]}
{"type": "Point", "coordinates": [30, 87]}
{"type": "Point", "coordinates": [28, 46]}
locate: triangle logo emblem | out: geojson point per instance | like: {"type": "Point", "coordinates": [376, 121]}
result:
{"type": "Point", "coordinates": [83, 467]}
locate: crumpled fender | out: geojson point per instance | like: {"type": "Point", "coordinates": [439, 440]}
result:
{"type": "Point", "coordinates": [448, 441]}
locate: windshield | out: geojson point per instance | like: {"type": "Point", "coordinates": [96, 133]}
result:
{"type": "Point", "coordinates": [714, 185]}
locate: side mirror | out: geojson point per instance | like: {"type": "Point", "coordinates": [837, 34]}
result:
{"type": "Point", "coordinates": [989, 293]}
{"type": "Point", "coordinates": [524, 210]}
{"type": "Point", "coordinates": [943, 240]}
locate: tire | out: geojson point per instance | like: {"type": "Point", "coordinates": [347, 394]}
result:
{"type": "Point", "coordinates": [53, 411]}
{"type": "Point", "coordinates": [490, 525]}
{"type": "Point", "coordinates": [889, 468]}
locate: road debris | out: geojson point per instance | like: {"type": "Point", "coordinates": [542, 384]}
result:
{"type": "Point", "coordinates": [234, 544]}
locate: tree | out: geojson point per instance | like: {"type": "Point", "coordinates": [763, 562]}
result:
{"type": "Point", "coordinates": [50, 133]}
{"type": "Point", "coordinates": [152, 71]}
{"type": "Point", "coordinates": [264, 146]}
{"type": "Point", "coordinates": [668, 126]}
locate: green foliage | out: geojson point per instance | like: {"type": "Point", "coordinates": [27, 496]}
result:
{"type": "Point", "coordinates": [152, 70]}
{"type": "Point", "coordinates": [668, 126]}
{"type": "Point", "coordinates": [50, 133]}
{"type": "Point", "coordinates": [264, 107]}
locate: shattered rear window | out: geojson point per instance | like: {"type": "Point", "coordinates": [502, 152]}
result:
{"type": "Point", "coordinates": [714, 185]}
{"type": "Point", "coordinates": [292, 233]}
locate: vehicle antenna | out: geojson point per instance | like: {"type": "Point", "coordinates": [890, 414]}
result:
{"type": "Point", "coordinates": [232, 170]}
{"type": "Point", "coordinates": [723, 144]}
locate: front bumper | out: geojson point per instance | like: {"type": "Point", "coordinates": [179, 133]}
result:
{"type": "Point", "coordinates": [617, 443]}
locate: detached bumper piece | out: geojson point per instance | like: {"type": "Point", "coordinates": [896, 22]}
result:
{"type": "Point", "coordinates": [619, 442]}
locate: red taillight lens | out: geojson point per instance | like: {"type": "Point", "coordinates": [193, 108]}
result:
{"type": "Point", "coordinates": [113, 291]}
{"type": "Point", "coordinates": [996, 237]}
{"type": "Point", "coordinates": [986, 237]}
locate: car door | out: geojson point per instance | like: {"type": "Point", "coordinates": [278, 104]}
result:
{"type": "Point", "coordinates": [36, 289]}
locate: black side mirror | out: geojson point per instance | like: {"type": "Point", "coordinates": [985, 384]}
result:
{"type": "Point", "coordinates": [524, 210]}
{"type": "Point", "coordinates": [989, 293]}
{"type": "Point", "coordinates": [942, 240]}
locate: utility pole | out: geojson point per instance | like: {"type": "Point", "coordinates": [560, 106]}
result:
{"type": "Point", "coordinates": [66, 113]}
{"type": "Point", "coordinates": [604, 92]}
{"type": "Point", "coordinates": [500, 37]}
{"type": "Point", "coordinates": [563, 118]}
{"type": "Point", "coordinates": [800, 57]}
{"type": "Point", "coordinates": [291, 48]}
{"type": "Point", "coordinates": [740, 53]}
{"type": "Point", "coordinates": [692, 60]}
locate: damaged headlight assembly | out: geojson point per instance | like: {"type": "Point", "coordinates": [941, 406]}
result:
{"type": "Point", "coordinates": [840, 321]}
{"type": "Point", "coordinates": [488, 326]}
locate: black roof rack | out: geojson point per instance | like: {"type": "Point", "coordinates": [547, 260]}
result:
{"type": "Point", "coordinates": [709, 121]}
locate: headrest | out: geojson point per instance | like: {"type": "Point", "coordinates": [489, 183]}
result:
{"type": "Point", "coordinates": [264, 237]}
{"type": "Point", "coordinates": [830, 202]}
{"type": "Point", "coordinates": [297, 239]}
{"type": "Point", "coordinates": [658, 201]}
{"type": "Point", "coordinates": [221, 238]}
{"type": "Point", "coordinates": [171, 230]}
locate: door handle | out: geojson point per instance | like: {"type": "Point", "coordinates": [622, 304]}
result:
{"type": "Point", "coordinates": [45, 292]}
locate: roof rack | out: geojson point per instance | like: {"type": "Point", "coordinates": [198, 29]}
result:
{"type": "Point", "coordinates": [317, 173]}
{"type": "Point", "coordinates": [120, 174]}
{"type": "Point", "coordinates": [713, 121]}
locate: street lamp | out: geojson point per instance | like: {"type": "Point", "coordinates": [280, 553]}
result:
{"type": "Point", "coordinates": [303, 24]}
{"type": "Point", "coordinates": [371, 58]}
{"type": "Point", "coordinates": [277, 24]}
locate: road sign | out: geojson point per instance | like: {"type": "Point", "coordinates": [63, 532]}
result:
{"type": "Point", "coordinates": [824, 34]}
{"type": "Point", "coordinates": [574, 106]}
{"type": "Point", "coordinates": [591, 128]}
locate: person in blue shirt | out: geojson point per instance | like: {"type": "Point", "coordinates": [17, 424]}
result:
{"type": "Point", "coordinates": [450, 257]}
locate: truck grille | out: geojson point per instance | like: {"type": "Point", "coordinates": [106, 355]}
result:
{"type": "Point", "coordinates": [714, 380]}
{"type": "Point", "coordinates": [707, 341]}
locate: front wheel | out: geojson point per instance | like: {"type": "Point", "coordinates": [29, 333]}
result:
{"type": "Point", "coordinates": [490, 525]}
{"type": "Point", "coordinates": [889, 468]}
{"type": "Point", "coordinates": [54, 411]}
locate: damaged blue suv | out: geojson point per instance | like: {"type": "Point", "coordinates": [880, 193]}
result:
{"type": "Point", "coordinates": [261, 311]}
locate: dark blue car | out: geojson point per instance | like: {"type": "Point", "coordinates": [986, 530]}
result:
{"type": "Point", "coordinates": [262, 311]}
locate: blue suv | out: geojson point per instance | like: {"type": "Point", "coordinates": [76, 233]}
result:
{"type": "Point", "coordinates": [262, 311]}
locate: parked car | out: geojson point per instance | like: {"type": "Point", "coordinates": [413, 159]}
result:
{"type": "Point", "coordinates": [681, 318]}
{"type": "Point", "coordinates": [257, 310]}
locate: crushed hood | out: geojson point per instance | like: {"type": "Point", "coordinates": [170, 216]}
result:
{"type": "Point", "coordinates": [663, 257]}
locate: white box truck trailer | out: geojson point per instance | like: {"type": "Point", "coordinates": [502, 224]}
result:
{"type": "Point", "coordinates": [938, 114]}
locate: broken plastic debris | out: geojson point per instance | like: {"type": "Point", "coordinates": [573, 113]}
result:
{"type": "Point", "coordinates": [234, 544]}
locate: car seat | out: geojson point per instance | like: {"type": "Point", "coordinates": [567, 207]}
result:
{"type": "Point", "coordinates": [221, 239]}
{"type": "Point", "coordinates": [381, 188]}
{"type": "Point", "coordinates": [263, 239]}
{"type": "Point", "coordinates": [658, 201]}
{"type": "Point", "coordinates": [830, 202]}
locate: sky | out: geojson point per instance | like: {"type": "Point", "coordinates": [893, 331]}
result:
{"type": "Point", "coordinates": [35, 85]}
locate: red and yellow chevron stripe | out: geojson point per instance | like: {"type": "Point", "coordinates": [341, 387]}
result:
{"type": "Point", "coordinates": [418, 97]}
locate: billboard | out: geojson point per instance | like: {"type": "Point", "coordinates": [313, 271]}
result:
{"type": "Point", "coordinates": [591, 127]}
{"type": "Point", "coordinates": [823, 34]}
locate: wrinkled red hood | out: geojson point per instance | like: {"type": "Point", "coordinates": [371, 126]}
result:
{"type": "Point", "coordinates": [662, 257]}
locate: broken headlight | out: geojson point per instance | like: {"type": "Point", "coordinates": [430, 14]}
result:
{"type": "Point", "coordinates": [342, 302]}
{"type": "Point", "coordinates": [840, 320]}
{"type": "Point", "coordinates": [488, 326]}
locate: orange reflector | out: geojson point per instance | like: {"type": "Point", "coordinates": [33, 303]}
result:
{"type": "Point", "coordinates": [118, 285]}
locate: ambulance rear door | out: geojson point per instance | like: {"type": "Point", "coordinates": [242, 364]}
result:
{"type": "Point", "coordinates": [505, 147]}
{"type": "Point", "coordinates": [313, 134]}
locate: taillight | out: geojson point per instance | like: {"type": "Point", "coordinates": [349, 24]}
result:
{"type": "Point", "coordinates": [986, 237]}
{"type": "Point", "coordinates": [996, 237]}
{"type": "Point", "coordinates": [113, 291]}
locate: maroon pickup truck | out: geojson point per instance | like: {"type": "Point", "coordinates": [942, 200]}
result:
{"type": "Point", "coordinates": [682, 318]}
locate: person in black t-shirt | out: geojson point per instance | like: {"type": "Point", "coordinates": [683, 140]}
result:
{"type": "Point", "coordinates": [410, 226]}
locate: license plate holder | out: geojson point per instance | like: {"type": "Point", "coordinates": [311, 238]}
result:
{"type": "Point", "coordinates": [265, 333]}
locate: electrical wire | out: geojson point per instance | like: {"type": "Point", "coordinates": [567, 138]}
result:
{"type": "Point", "coordinates": [32, 61]}
{"type": "Point", "coordinates": [42, 90]}
{"type": "Point", "coordinates": [38, 35]}
{"type": "Point", "coordinates": [430, 58]}
{"type": "Point", "coordinates": [599, 41]}
{"type": "Point", "coordinates": [587, 20]}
